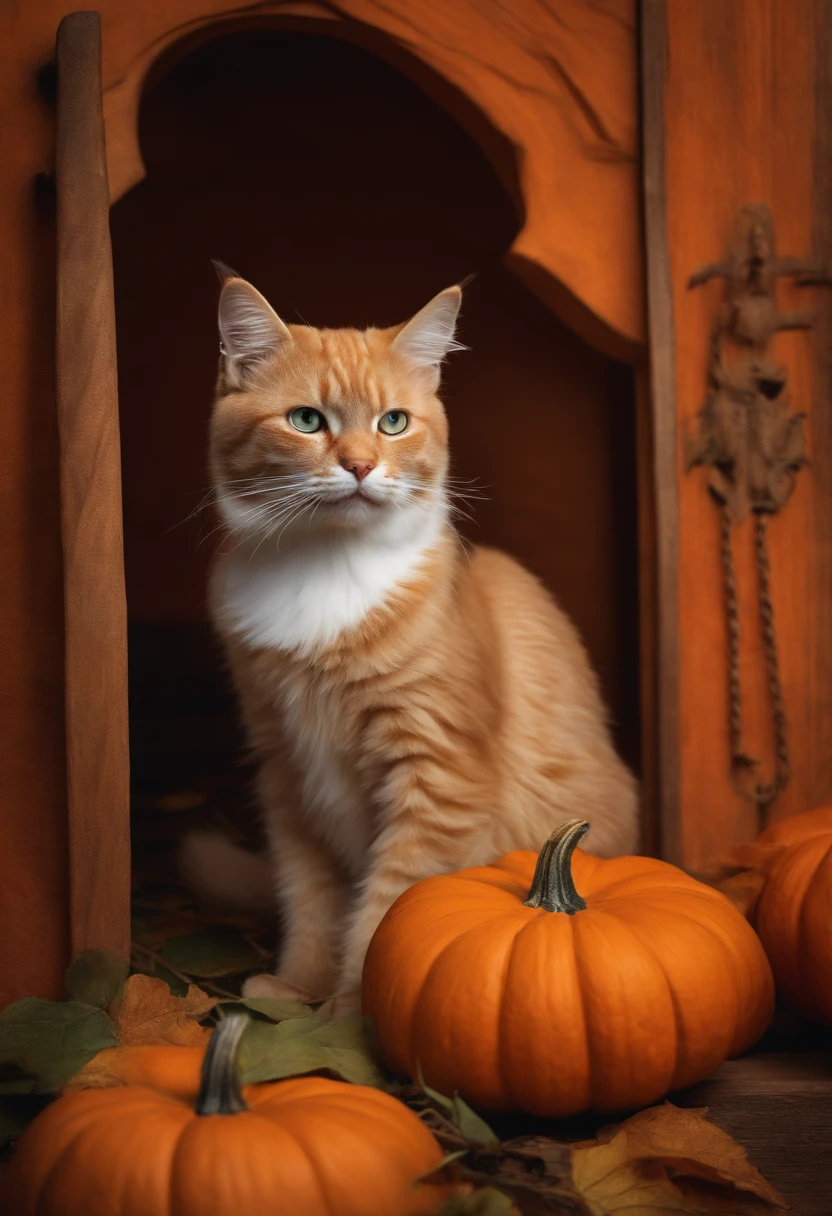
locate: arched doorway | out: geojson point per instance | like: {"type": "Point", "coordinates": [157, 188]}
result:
{"type": "Point", "coordinates": [348, 198]}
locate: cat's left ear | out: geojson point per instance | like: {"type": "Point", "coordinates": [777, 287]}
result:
{"type": "Point", "coordinates": [428, 337]}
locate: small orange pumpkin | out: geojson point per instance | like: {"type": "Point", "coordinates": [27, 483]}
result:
{"type": "Point", "coordinates": [552, 1002]}
{"type": "Point", "coordinates": [794, 914]}
{"type": "Point", "coordinates": [305, 1147]}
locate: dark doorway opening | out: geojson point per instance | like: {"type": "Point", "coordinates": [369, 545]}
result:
{"type": "Point", "coordinates": [347, 197]}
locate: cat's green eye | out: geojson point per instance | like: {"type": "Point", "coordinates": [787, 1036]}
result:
{"type": "Point", "coordinates": [307, 420]}
{"type": "Point", "coordinates": [393, 422]}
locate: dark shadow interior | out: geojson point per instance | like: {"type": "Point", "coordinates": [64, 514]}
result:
{"type": "Point", "coordinates": [349, 198]}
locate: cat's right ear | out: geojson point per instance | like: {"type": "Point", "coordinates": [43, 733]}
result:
{"type": "Point", "coordinates": [250, 330]}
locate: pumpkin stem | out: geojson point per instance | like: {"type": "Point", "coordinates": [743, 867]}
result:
{"type": "Point", "coordinates": [219, 1091]}
{"type": "Point", "coordinates": [552, 886]}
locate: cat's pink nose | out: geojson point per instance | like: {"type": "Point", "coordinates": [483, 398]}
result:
{"type": "Point", "coordinates": [359, 468]}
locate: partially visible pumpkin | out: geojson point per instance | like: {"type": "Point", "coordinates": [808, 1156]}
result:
{"type": "Point", "coordinates": [552, 1002]}
{"type": "Point", "coordinates": [794, 913]}
{"type": "Point", "coordinates": [305, 1147]}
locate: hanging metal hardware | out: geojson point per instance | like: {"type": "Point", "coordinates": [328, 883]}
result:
{"type": "Point", "coordinates": [753, 446]}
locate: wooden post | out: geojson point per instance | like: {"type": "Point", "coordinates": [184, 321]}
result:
{"type": "Point", "coordinates": [662, 393]}
{"type": "Point", "coordinates": [97, 755]}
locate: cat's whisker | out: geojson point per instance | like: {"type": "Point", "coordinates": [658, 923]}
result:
{"type": "Point", "coordinates": [290, 520]}
{"type": "Point", "coordinates": [206, 501]}
{"type": "Point", "coordinates": [250, 515]}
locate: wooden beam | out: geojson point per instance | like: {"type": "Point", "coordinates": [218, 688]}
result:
{"type": "Point", "coordinates": [97, 757]}
{"type": "Point", "coordinates": [662, 392]}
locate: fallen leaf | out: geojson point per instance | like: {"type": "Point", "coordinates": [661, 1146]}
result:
{"type": "Point", "coordinates": [741, 873]}
{"type": "Point", "coordinates": [743, 890]}
{"type": "Point", "coordinates": [177, 986]}
{"type": "Point", "coordinates": [667, 1160]}
{"type": "Point", "coordinates": [686, 1142]}
{"type": "Point", "coordinates": [209, 953]}
{"type": "Point", "coordinates": [474, 1130]}
{"type": "Point", "coordinates": [53, 1039]}
{"type": "Point", "coordinates": [301, 1045]}
{"type": "Point", "coordinates": [151, 1014]}
{"type": "Point", "coordinates": [95, 977]}
{"type": "Point", "coordinates": [610, 1183]}
{"type": "Point", "coordinates": [18, 1086]}
{"type": "Point", "coordinates": [275, 1010]}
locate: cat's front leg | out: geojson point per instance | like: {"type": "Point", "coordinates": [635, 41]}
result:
{"type": "Point", "coordinates": [312, 893]}
{"type": "Point", "coordinates": [403, 854]}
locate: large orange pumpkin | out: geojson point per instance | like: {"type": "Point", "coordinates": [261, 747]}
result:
{"type": "Point", "coordinates": [794, 913]}
{"type": "Point", "coordinates": [305, 1147]}
{"type": "Point", "coordinates": [553, 1002]}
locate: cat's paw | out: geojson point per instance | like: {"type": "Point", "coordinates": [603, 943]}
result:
{"type": "Point", "coordinates": [276, 988]}
{"type": "Point", "coordinates": [344, 1004]}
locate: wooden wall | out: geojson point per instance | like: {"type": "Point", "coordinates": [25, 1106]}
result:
{"type": "Point", "coordinates": [737, 110]}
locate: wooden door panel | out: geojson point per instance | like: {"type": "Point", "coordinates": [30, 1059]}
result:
{"type": "Point", "coordinates": [737, 112]}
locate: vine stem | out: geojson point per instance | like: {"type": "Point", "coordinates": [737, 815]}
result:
{"type": "Point", "coordinates": [553, 887]}
{"type": "Point", "coordinates": [219, 1091]}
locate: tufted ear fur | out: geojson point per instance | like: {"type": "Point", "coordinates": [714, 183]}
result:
{"type": "Point", "coordinates": [428, 337]}
{"type": "Point", "coordinates": [250, 329]}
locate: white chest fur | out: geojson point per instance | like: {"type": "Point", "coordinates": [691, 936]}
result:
{"type": "Point", "coordinates": [302, 598]}
{"type": "Point", "coordinates": [299, 600]}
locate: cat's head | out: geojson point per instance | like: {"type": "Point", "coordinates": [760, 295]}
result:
{"type": "Point", "coordinates": [325, 429]}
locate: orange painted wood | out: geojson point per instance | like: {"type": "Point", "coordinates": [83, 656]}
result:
{"type": "Point", "coordinates": [95, 610]}
{"type": "Point", "coordinates": [550, 89]}
{"type": "Point", "coordinates": [658, 488]}
{"type": "Point", "coordinates": [746, 118]}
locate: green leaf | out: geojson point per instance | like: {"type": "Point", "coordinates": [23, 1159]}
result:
{"type": "Point", "coordinates": [177, 987]}
{"type": "Point", "coordinates": [16, 1086]}
{"type": "Point", "coordinates": [277, 1011]}
{"type": "Point", "coordinates": [270, 1008]}
{"type": "Point", "coordinates": [475, 1130]}
{"type": "Point", "coordinates": [448, 1159]}
{"type": "Point", "coordinates": [438, 1099]}
{"type": "Point", "coordinates": [95, 976]}
{"type": "Point", "coordinates": [484, 1202]}
{"type": "Point", "coordinates": [210, 953]}
{"type": "Point", "coordinates": [309, 1044]}
{"type": "Point", "coordinates": [51, 1039]}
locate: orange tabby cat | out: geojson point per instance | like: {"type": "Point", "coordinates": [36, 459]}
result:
{"type": "Point", "coordinates": [414, 707]}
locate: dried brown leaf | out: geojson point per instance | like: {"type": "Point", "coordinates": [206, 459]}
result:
{"type": "Point", "coordinates": [669, 1160]}
{"type": "Point", "coordinates": [687, 1142]}
{"type": "Point", "coordinates": [151, 1014]}
{"type": "Point", "coordinates": [741, 873]}
{"type": "Point", "coordinates": [743, 890]}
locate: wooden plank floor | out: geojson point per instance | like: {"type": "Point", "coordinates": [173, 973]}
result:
{"type": "Point", "coordinates": [778, 1105]}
